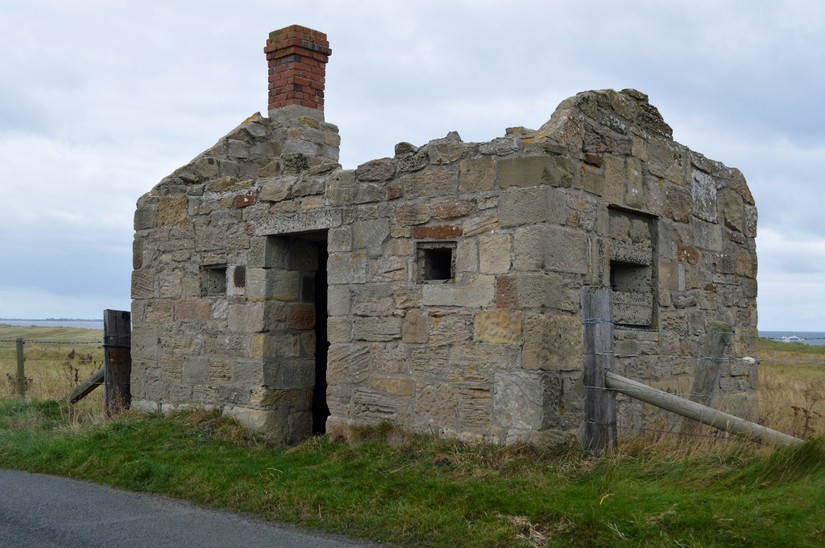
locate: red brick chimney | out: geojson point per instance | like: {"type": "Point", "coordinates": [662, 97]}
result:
{"type": "Point", "coordinates": [297, 58]}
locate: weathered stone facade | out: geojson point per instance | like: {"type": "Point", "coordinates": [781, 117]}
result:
{"type": "Point", "coordinates": [439, 289]}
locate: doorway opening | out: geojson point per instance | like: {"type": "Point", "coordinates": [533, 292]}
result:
{"type": "Point", "coordinates": [320, 409]}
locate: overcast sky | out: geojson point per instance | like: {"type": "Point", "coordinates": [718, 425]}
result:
{"type": "Point", "coordinates": [100, 99]}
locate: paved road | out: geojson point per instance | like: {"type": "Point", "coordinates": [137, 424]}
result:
{"type": "Point", "coordinates": [48, 511]}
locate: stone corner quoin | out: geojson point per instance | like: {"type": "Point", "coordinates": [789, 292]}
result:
{"type": "Point", "coordinates": [440, 289]}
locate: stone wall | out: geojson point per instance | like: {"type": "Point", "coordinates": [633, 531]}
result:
{"type": "Point", "coordinates": [453, 275]}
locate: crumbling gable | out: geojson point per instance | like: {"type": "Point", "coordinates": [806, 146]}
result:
{"type": "Point", "coordinates": [440, 289]}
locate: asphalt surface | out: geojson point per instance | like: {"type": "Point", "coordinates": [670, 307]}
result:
{"type": "Point", "coordinates": [48, 511]}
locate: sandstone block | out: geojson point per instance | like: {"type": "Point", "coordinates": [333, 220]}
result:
{"type": "Point", "coordinates": [483, 355]}
{"type": "Point", "coordinates": [477, 174]}
{"type": "Point", "coordinates": [494, 253]}
{"type": "Point", "coordinates": [429, 361]}
{"type": "Point", "coordinates": [370, 235]}
{"type": "Point", "coordinates": [192, 309]}
{"type": "Point", "coordinates": [413, 214]}
{"type": "Point", "coordinates": [525, 400]}
{"type": "Point", "coordinates": [371, 406]}
{"type": "Point", "coordinates": [388, 269]}
{"type": "Point", "coordinates": [145, 216]}
{"type": "Point", "coordinates": [376, 170]}
{"type": "Point", "coordinates": [267, 423]}
{"type": "Point", "coordinates": [339, 239]}
{"type": "Point", "coordinates": [247, 318]}
{"type": "Point", "coordinates": [393, 386]}
{"type": "Point", "coordinates": [497, 327]}
{"type": "Point", "coordinates": [449, 330]}
{"type": "Point", "coordinates": [415, 327]}
{"type": "Point", "coordinates": [535, 170]}
{"type": "Point", "coordinates": [341, 188]}
{"type": "Point", "coordinates": [172, 211]}
{"type": "Point", "coordinates": [339, 329]}
{"type": "Point", "coordinates": [530, 206]}
{"type": "Point", "coordinates": [552, 342]}
{"type": "Point", "coordinates": [348, 363]}
{"type": "Point", "coordinates": [551, 248]}
{"type": "Point", "coordinates": [376, 329]}
{"type": "Point", "coordinates": [433, 181]}
{"type": "Point", "coordinates": [529, 291]}
{"type": "Point", "coordinates": [479, 224]}
{"type": "Point", "coordinates": [440, 232]}
{"type": "Point", "coordinates": [370, 303]}
{"type": "Point", "coordinates": [478, 291]}
{"type": "Point", "coordinates": [453, 209]}
{"type": "Point", "coordinates": [347, 268]}
{"type": "Point", "coordinates": [703, 192]}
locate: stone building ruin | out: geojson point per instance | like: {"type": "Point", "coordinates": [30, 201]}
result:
{"type": "Point", "coordinates": [439, 289]}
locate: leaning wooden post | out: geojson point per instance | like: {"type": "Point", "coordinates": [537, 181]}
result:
{"type": "Point", "coordinates": [597, 344]}
{"type": "Point", "coordinates": [117, 360]}
{"type": "Point", "coordinates": [21, 369]}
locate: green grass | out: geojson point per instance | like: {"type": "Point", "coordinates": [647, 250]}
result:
{"type": "Point", "coordinates": [391, 486]}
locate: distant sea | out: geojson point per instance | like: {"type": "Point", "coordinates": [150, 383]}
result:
{"type": "Point", "coordinates": [55, 322]}
{"type": "Point", "coordinates": [813, 338]}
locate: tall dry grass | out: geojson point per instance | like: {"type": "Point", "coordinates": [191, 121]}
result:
{"type": "Point", "coordinates": [56, 360]}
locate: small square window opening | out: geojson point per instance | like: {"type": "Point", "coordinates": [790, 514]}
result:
{"type": "Point", "coordinates": [436, 261]}
{"type": "Point", "coordinates": [213, 280]}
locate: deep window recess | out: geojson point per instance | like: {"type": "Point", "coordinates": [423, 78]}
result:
{"type": "Point", "coordinates": [632, 268]}
{"type": "Point", "coordinates": [436, 261]}
{"type": "Point", "coordinates": [213, 280]}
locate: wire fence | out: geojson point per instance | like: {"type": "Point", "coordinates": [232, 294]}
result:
{"type": "Point", "coordinates": [785, 393]}
{"type": "Point", "coordinates": [51, 368]}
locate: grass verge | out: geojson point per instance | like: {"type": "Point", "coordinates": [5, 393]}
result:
{"type": "Point", "coordinates": [390, 486]}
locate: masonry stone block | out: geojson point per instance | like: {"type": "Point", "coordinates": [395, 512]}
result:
{"type": "Point", "coordinates": [430, 182]}
{"type": "Point", "coordinates": [449, 330]}
{"type": "Point", "coordinates": [371, 235]}
{"type": "Point", "coordinates": [497, 327]}
{"type": "Point", "coordinates": [247, 318]}
{"type": "Point", "coordinates": [339, 329]}
{"type": "Point", "coordinates": [415, 327]}
{"type": "Point", "coordinates": [339, 239]}
{"type": "Point", "coordinates": [429, 362]}
{"type": "Point", "coordinates": [347, 268]}
{"type": "Point", "coordinates": [413, 214]}
{"type": "Point", "coordinates": [479, 224]}
{"type": "Point", "coordinates": [477, 291]}
{"type": "Point", "coordinates": [477, 174]}
{"type": "Point", "coordinates": [193, 309]}
{"type": "Point", "coordinates": [552, 342]}
{"type": "Point", "coordinates": [476, 355]}
{"type": "Point", "coordinates": [530, 206]}
{"type": "Point", "coordinates": [453, 209]}
{"type": "Point", "coordinates": [522, 400]}
{"type": "Point", "coordinates": [143, 284]}
{"type": "Point", "coordinates": [534, 170]}
{"type": "Point", "coordinates": [393, 386]}
{"type": "Point", "coordinates": [494, 253]}
{"type": "Point", "coordinates": [703, 192]}
{"type": "Point", "coordinates": [376, 329]}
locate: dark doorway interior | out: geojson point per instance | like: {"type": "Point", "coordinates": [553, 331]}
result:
{"type": "Point", "coordinates": [320, 409]}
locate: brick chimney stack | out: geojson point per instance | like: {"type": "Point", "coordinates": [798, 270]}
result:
{"type": "Point", "coordinates": [297, 58]}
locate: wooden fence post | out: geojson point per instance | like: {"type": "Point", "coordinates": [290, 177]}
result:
{"type": "Point", "coordinates": [597, 344]}
{"type": "Point", "coordinates": [21, 369]}
{"type": "Point", "coordinates": [117, 361]}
